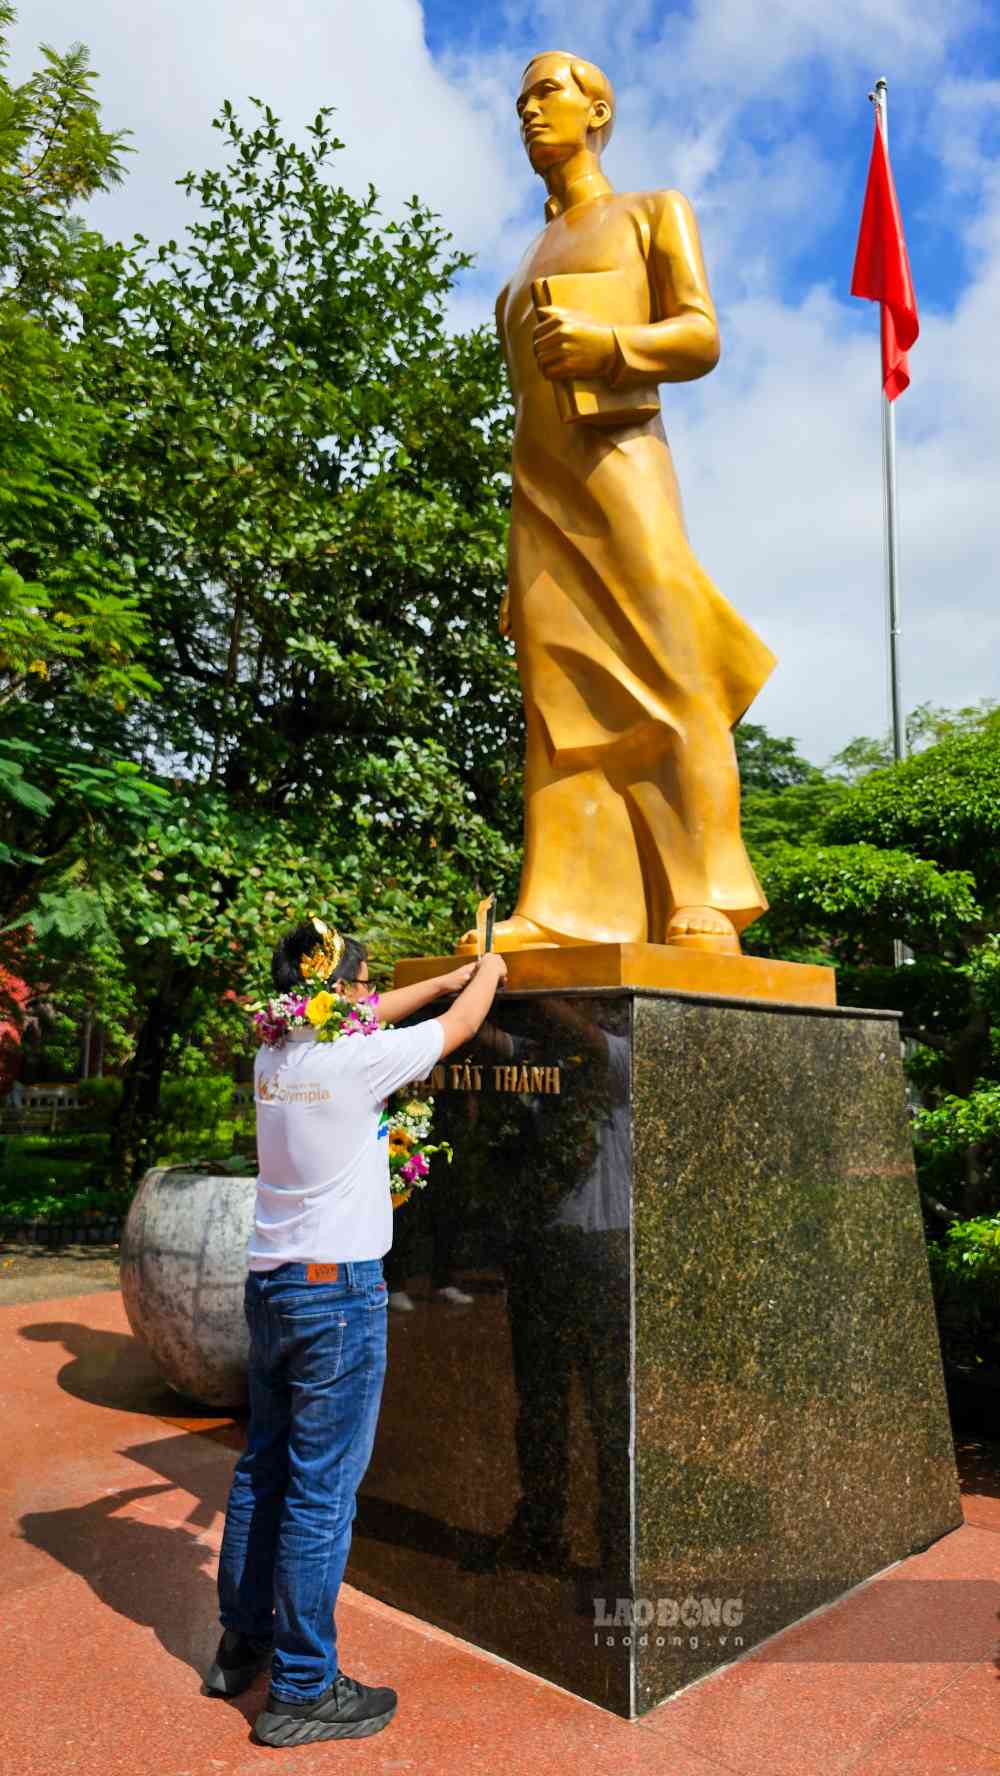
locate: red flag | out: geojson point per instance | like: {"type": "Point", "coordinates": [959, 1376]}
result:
{"type": "Point", "coordinates": [882, 269]}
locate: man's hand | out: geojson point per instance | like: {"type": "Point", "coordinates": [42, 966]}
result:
{"type": "Point", "coordinates": [456, 980]}
{"type": "Point", "coordinates": [567, 344]}
{"type": "Point", "coordinates": [494, 962]}
{"type": "Point", "coordinates": [465, 1015]}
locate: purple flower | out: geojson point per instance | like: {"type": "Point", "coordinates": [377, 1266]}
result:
{"type": "Point", "coordinates": [360, 1021]}
{"type": "Point", "coordinates": [271, 1029]}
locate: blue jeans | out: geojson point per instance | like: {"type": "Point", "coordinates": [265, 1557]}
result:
{"type": "Point", "coordinates": [317, 1364]}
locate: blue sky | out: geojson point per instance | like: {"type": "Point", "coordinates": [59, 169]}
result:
{"type": "Point", "coordinates": [757, 110]}
{"type": "Point", "coordinates": [453, 27]}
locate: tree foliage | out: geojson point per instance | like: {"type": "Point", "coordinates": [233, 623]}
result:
{"type": "Point", "coordinates": [768, 761]}
{"type": "Point", "coordinates": [310, 473]}
{"type": "Point", "coordinates": [910, 852]}
{"type": "Point", "coordinates": [251, 552]}
{"type": "Point", "coordinates": [854, 895]}
{"type": "Point", "coordinates": [71, 623]}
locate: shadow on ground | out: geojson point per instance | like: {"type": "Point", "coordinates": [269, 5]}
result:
{"type": "Point", "coordinates": [158, 1574]}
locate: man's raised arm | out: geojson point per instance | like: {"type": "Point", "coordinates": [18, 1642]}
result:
{"type": "Point", "coordinates": [402, 1002]}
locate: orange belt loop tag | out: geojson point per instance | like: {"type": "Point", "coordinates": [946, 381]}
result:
{"type": "Point", "coordinates": [321, 1273]}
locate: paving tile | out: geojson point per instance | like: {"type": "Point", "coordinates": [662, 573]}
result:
{"type": "Point", "coordinates": [978, 1460]}
{"type": "Point", "coordinates": [851, 1673]}
{"type": "Point", "coordinates": [905, 1619]}
{"type": "Point", "coordinates": [497, 1718]}
{"type": "Point", "coordinates": [112, 1494]}
{"type": "Point", "coordinates": [123, 1693]}
{"type": "Point", "coordinates": [964, 1553]}
{"type": "Point", "coordinates": [917, 1750]}
{"type": "Point", "coordinates": [113, 1500]}
{"type": "Point", "coordinates": [970, 1706]}
{"type": "Point", "coordinates": [982, 1510]}
{"type": "Point", "coordinates": [64, 1515]}
{"type": "Point", "coordinates": [779, 1720]}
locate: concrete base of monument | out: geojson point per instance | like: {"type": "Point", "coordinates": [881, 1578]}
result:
{"type": "Point", "coordinates": [648, 965]}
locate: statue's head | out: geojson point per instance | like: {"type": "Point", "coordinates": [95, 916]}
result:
{"type": "Point", "coordinates": [564, 105]}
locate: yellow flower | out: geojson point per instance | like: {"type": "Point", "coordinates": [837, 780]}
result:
{"type": "Point", "coordinates": [399, 1142]}
{"type": "Point", "coordinates": [319, 1009]}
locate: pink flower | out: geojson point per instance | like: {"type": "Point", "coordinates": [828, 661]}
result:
{"type": "Point", "coordinates": [360, 1021]}
{"type": "Point", "coordinates": [271, 1029]}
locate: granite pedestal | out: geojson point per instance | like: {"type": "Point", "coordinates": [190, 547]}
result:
{"type": "Point", "coordinates": [699, 1391]}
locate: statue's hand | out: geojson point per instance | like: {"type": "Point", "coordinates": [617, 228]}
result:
{"type": "Point", "coordinates": [567, 344]}
{"type": "Point", "coordinates": [503, 615]}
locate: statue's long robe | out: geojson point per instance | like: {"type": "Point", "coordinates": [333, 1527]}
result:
{"type": "Point", "coordinates": [634, 667]}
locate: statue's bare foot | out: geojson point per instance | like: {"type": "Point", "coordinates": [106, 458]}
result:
{"type": "Point", "coordinates": [703, 928]}
{"type": "Point", "coordinates": [515, 933]}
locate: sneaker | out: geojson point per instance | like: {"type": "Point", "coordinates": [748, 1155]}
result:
{"type": "Point", "coordinates": [451, 1293]}
{"type": "Point", "coordinates": [238, 1659]}
{"type": "Point", "coordinates": [347, 1710]}
{"type": "Point", "coordinates": [399, 1298]}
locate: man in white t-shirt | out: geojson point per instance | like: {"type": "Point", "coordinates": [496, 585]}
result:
{"type": "Point", "coordinates": [315, 1304]}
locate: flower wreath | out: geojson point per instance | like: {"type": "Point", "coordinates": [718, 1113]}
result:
{"type": "Point", "coordinates": [331, 1016]}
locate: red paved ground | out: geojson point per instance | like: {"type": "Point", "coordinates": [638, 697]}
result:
{"type": "Point", "coordinates": [113, 1514]}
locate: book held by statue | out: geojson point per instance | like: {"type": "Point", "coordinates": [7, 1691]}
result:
{"type": "Point", "coordinates": [605, 296]}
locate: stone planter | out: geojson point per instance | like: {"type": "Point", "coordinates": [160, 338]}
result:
{"type": "Point", "coordinates": [183, 1270]}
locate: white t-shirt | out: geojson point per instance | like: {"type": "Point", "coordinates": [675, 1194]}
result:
{"type": "Point", "coordinates": [323, 1187]}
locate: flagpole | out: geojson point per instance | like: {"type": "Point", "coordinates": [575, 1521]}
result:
{"type": "Point", "coordinates": [901, 953]}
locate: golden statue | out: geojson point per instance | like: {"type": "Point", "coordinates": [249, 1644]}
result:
{"type": "Point", "coordinates": [633, 666]}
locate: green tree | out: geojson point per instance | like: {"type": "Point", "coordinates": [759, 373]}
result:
{"type": "Point", "coordinates": [309, 472]}
{"type": "Point", "coordinates": [925, 726]}
{"type": "Point", "coordinates": [785, 799]}
{"type": "Point", "coordinates": [305, 474]}
{"type": "Point", "coordinates": [184, 919]}
{"type": "Point", "coordinates": [912, 852]}
{"type": "Point", "coordinates": [68, 612]}
{"type": "Point", "coordinates": [71, 626]}
{"type": "Point", "coordinates": [766, 761]}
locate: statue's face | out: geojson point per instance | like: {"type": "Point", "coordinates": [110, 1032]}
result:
{"type": "Point", "coordinates": [556, 117]}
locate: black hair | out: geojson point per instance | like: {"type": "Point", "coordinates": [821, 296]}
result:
{"type": "Point", "coordinates": [286, 962]}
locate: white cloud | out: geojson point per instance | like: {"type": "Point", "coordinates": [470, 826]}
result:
{"type": "Point", "coordinates": [166, 65]}
{"type": "Point", "coordinates": [740, 46]}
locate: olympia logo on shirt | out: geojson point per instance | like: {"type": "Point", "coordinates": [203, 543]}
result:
{"type": "Point", "coordinates": [306, 1091]}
